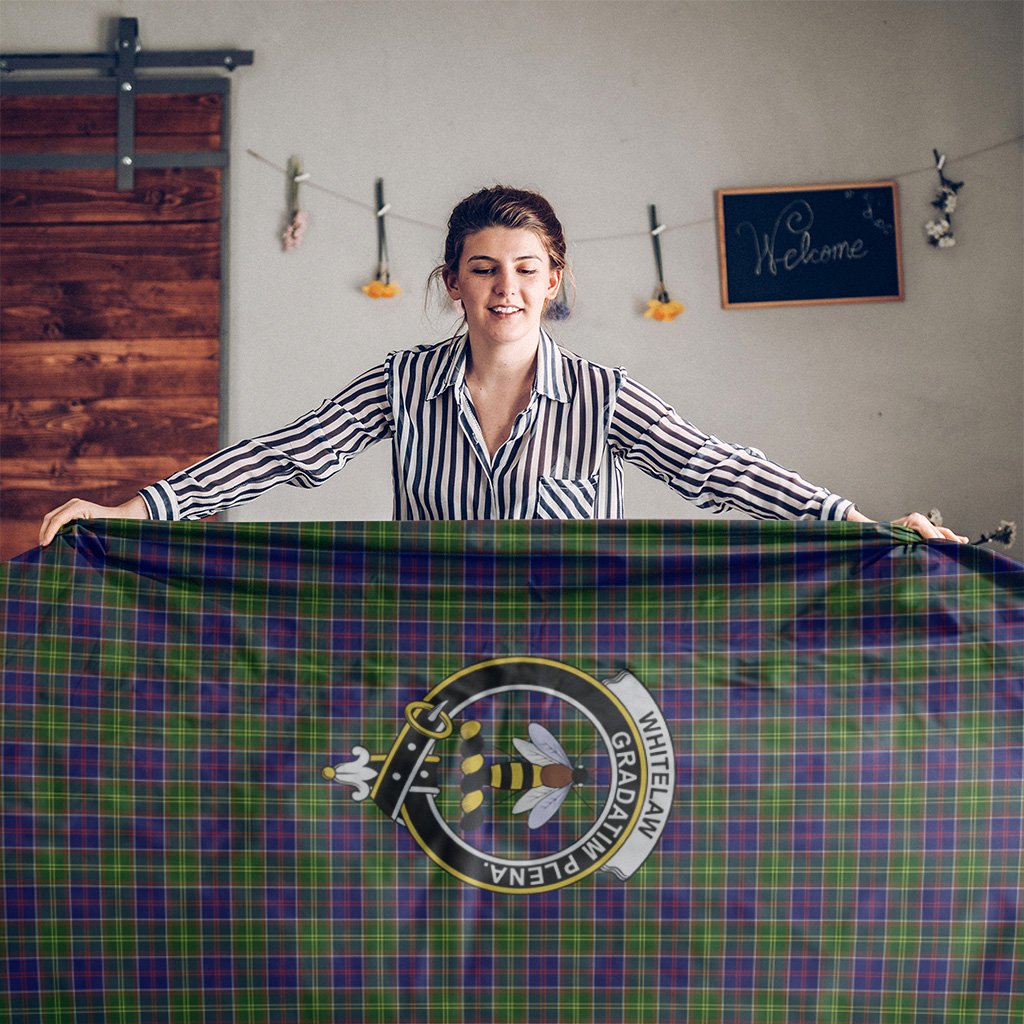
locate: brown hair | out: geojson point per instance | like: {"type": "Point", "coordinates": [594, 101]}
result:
{"type": "Point", "coordinates": [501, 207]}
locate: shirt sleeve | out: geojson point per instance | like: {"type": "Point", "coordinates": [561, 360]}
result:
{"type": "Point", "coordinates": [304, 454]}
{"type": "Point", "coordinates": [713, 474]}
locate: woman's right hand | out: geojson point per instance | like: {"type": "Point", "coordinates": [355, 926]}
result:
{"type": "Point", "coordinates": [76, 508]}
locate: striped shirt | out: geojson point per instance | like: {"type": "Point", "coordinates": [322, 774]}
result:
{"type": "Point", "coordinates": [562, 460]}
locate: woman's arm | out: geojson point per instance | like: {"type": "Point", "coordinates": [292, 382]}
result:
{"type": "Point", "coordinates": [714, 474]}
{"type": "Point", "coordinates": [305, 453]}
{"type": "Point", "coordinates": [711, 473]}
{"type": "Point", "coordinates": [76, 508]}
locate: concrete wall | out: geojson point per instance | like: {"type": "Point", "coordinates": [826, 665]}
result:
{"type": "Point", "coordinates": [606, 107]}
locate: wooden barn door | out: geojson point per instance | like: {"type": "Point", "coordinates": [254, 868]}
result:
{"type": "Point", "coordinates": [111, 302]}
{"type": "Point", "coordinates": [110, 310]}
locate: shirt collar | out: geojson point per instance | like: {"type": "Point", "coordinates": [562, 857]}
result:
{"type": "Point", "coordinates": [551, 371]}
{"type": "Point", "coordinates": [451, 369]}
{"type": "Point", "coordinates": [549, 381]}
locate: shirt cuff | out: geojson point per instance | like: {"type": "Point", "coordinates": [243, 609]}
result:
{"type": "Point", "coordinates": [835, 507]}
{"type": "Point", "coordinates": [160, 501]}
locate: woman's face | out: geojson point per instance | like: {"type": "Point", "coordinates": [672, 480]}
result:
{"type": "Point", "coordinates": [505, 278]}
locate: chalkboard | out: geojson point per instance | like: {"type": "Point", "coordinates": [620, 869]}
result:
{"type": "Point", "coordinates": [812, 244]}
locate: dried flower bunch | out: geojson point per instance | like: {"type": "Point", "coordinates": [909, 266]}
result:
{"type": "Point", "coordinates": [661, 307]}
{"type": "Point", "coordinates": [1005, 533]}
{"type": "Point", "coordinates": [940, 231]}
{"type": "Point", "coordinates": [296, 229]}
{"type": "Point", "coordinates": [381, 287]}
{"type": "Point", "coordinates": [299, 219]}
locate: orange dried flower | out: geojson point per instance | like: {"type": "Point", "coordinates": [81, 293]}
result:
{"type": "Point", "coordinates": [664, 311]}
{"type": "Point", "coordinates": [380, 290]}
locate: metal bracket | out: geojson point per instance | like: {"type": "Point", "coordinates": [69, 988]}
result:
{"type": "Point", "coordinates": [128, 46]}
{"type": "Point", "coordinates": [123, 65]}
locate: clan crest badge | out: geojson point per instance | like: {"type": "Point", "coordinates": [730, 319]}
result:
{"type": "Point", "coordinates": [523, 775]}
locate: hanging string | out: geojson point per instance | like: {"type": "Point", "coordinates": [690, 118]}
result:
{"type": "Point", "coordinates": [311, 184]}
{"type": "Point", "coordinates": [623, 235]}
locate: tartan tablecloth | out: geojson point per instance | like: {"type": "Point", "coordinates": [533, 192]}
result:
{"type": "Point", "coordinates": [277, 773]}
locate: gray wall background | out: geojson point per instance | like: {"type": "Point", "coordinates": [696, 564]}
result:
{"type": "Point", "coordinates": [606, 107]}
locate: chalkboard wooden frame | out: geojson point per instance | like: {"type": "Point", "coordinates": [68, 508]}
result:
{"type": "Point", "coordinates": [808, 245]}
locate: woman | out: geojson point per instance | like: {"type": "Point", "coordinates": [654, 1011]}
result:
{"type": "Point", "coordinates": [498, 422]}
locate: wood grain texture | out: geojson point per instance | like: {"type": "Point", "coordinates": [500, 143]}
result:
{"type": "Point", "coordinates": [110, 307]}
{"type": "Point", "coordinates": [110, 252]}
{"type": "Point", "coordinates": [179, 143]}
{"type": "Point", "coordinates": [110, 369]}
{"type": "Point", "coordinates": [17, 536]}
{"type": "Point", "coordinates": [93, 309]}
{"type": "Point", "coordinates": [83, 197]}
{"type": "Point", "coordinates": [31, 487]}
{"type": "Point", "coordinates": [91, 116]}
{"type": "Point", "coordinates": [70, 428]}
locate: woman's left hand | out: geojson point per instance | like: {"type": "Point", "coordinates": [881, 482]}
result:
{"type": "Point", "coordinates": [915, 521]}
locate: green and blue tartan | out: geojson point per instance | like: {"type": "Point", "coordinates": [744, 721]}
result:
{"type": "Point", "coordinates": [846, 707]}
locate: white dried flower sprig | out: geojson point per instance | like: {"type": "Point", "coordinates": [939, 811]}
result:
{"type": "Point", "coordinates": [940, 231]}
{"type": "Point", "coordinates": [1005, 533]}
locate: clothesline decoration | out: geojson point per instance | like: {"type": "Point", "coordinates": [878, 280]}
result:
{"type": "Point", "coordinates": [381, 287]}
{"type": "Point", "coordinates": [668, 228]}
{"type": "Point", "coordinates": [298, 218]}
{"type": "Point", "coordinates": [940, 232]}
{"type": "Point", "coordinates": [661, 307]}
{"type": "Point", "coordinates": [1005, 533]}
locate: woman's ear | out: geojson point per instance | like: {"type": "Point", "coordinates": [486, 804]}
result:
{"type": "Point", "coordinates": [451, 283]}
{"type": "Point", "coordinates": [554, 282]}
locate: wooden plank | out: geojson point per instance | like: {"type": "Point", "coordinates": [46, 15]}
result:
{"type": "Point", "coordinates": [63, 428]}
{"type": "Point", "coordinates": [81, 197]}
{"type": "Point", "coordinates": [110, 252]}
{"type": "Point", "coordinates": [84, 116]}
{"type": "Point", "coordinates": [87, 476]}
{"type": "Point", "coordinates": [110, 369]}
{"type": "Point", "coordinates": [108, 144]}
{"type": "Point", "coordinates": [30, 487]}
{"type": "Point", "coordinates": [95, 310]}
{"type": "Point", "coordinates": [18, 536]}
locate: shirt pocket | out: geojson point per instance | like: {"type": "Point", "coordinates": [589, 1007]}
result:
{"type": "Point", "coordinates": [563, 498]}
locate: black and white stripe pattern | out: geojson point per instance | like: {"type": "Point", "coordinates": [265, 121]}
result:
{"type": "Point", "coordinates": [563, 459]}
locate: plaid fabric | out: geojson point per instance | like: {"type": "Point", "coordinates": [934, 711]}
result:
{"type": "Point", "coordinates": [844, 844]}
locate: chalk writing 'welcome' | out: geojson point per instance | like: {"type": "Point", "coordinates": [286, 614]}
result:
{"type": "Point", "coordinates": [795, 222]}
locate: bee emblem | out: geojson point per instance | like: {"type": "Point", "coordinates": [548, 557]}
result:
{"type": "Point", "coordinates": [543, 774]}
